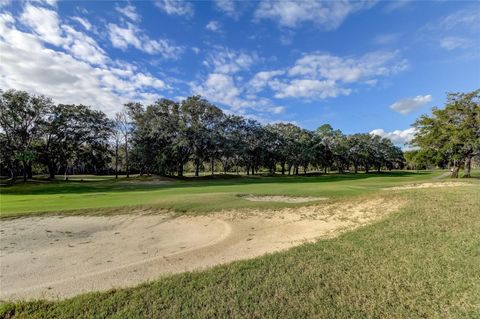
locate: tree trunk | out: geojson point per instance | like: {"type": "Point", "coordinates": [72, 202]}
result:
{"type": "Point", "coordinates": [355, 168]}
{"type": "Point", "coordinates": [468, 167]}
{"type": "Point", "coordinates": [248, 170]}
{"type": "Point", "coordinates": [213, 166]}
{"type": "Point", "coordinates": [51, 171]}
{"type": "Point", "coordinates": [283, 168]}
{"type": "Point", "coordinates": [29, 171]}
{"type": "Point", "coordinates": [325, 170]}
{"type": "Point", "coordinates": [24, 173]}
{"type": "Point", "coordinates": [116, 161]}
{"type": "Point", "coordinates": [455, 170]}
{"type": "Point", "coordinates": [197, 167]}
{"type": "Point", "coordinates": [180, 170]}
{"type": "Point", "coordinates": [126, 156]}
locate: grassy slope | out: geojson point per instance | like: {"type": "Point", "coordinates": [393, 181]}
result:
{"type": "Point", "coordinates": [422, 262]}
{"type": "Point", "coordinates": [191, 195]}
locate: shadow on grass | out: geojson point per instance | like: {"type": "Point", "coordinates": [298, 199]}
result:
{"type": "Point", "coordinates": [40, 187]}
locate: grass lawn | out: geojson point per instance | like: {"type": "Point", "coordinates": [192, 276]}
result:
{"type": "Point", "coordinates": [188, 195]}
{"type": "Point", "coordinates": [421, 262]}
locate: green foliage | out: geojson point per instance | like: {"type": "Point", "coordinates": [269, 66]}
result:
{"type": "Point", "coordinates": [451, 134]}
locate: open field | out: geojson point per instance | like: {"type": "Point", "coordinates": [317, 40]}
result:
{"type": "Point", "coordinates": [413, 257]}
{"type": "Point", "coordinates": [191, 195]}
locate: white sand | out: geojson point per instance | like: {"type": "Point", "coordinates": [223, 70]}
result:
{"type": "Point", "coordinates": [428, 185]}
{"type": "Point", "coordinates": [282, 199]}
{"type": "Point", "coordinates": [56, 257]}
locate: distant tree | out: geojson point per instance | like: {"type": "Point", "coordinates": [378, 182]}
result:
{"type": "Point", "coordinates": [7, 156]}
{"type": "Point", "coordinates": [233, 144]}
{"type": "Point", "coordinates": [21, 116]}
{"type": "Point", "coordinates": [254, 134]}
{"type": "Point", "coordinates": [359, 150]}
{"type": "Point", "coordinates": [204, 122]}
{"type": "Point", "coordinates": [74, 135]}
{"type": "Point", "coordinates": [452, 133]}
{"type": "Point", "coordinates": [123, 126]}
{"type": "Point", "coordinates": [325, 136]}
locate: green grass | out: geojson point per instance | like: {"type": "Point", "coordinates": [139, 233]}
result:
{"type": "Point", "coordinates": [421, 262]}
{"type": "Point", "coordinates": [188, 195]}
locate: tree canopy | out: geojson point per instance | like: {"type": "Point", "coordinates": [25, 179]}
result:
{"type": "Point", "coordinates": [451, 134]}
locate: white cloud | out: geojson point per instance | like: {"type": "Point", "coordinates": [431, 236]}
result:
{"type": "Point", "coordinates": [4, 3]}
{"type": "Point", "coordinates": [213, 26]}
{"type": "Point", "coordinates": [451, 43]}
{"type": "Point", "coordinates": [460, 19]}
{"type": "Point", "coordinates": [221, 88]}
{"type": "Point", "coordinates": [458, 30]}
{"type": "Point", "coordinates": [131, 35]}
{"type": "Point", "coordinates": [328, 15]}
{"type": "Point", "coordinates": [309, 89]}
{"type": "Point", "coordinates": [83, 22]}
{"type": "Point", "coordinates": [228, 61]}
{"type": "Point", "coordinates": [411, 104]}
{"type": "Point", "coordinates": [84, 47]}
{"type": "Point", "coordinates": [350, 69]}
{"type": "Point", "coordinates": [228, 7]}
{"type": "Point", "coordinates": [68, 77]}
{"type": "Point", "coordinates": [261, 79]}
{"type": "Point", "coordinates": [396, 5]}
{"type": "Point", "coordinates": [47, 27]}
{"type": "Point", "coordinates": [321, 75]}
{"type": "Point", "coordinates": [52, 3]}
{"type": "Point", "coordinates": [224, 89]}
{"type": "Point", "coordinates": [176, 7]}
{"type": "Point", "coordinates": [44, 23]}
{"type": "Point", "coordinates": [129, 11]}
{"type": "Point", "coordinates": [398, 137]}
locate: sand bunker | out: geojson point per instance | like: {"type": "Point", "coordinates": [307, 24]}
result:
{"type": "Point", "coordinates": [283, 199]}
{"type": "Point", "coordinates": [428, 185]}
{"type": "Point", "coordinates": [57, 257]}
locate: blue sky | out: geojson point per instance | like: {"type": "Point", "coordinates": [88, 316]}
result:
{"type": "Point", "coordinates": [364, 66]}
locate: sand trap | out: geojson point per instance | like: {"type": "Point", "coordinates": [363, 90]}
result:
{"type": "Point", "coordinates": [147, 182]}
{"type": "Point", "coordinates": [428, 185]}
{"type": "Point", "coordinates": [56, 257]}
{"type": "Point", "coordinates": [283, 199]}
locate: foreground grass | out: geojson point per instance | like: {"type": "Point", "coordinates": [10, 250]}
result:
{"type": "Point", "coordinates": [190, 195]}
{"type": "Point", "coordinates": [422, 262]}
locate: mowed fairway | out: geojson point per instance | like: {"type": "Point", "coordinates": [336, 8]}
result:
{"type": "Point", "coordinates": [417, 254]}
{"type": "Point", "coordinates": [189, 196]}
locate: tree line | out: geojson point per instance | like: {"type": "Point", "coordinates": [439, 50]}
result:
{"type": "Point", "coordinates": [169, 138]}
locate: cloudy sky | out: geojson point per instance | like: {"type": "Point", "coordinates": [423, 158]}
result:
{"type": "Point", "coordinates": [364, 66]}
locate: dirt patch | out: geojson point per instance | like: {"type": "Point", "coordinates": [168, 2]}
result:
{"type": "Point", "coordinates": [147, 182]}
{"type": "Point", "coordinates": [56, 257]}
{"type": "Point", "coordinates": [282, 199]}
{"type": "Point", "coordinates": [428, 185]}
